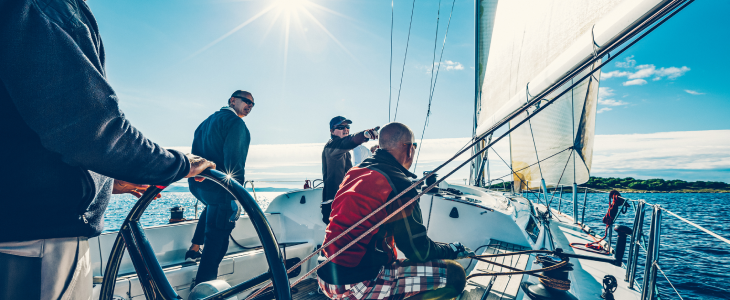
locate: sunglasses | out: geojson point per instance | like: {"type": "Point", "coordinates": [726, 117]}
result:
{"type": "Point", "coordinates": [245, 100]}
{"type": "Point", "coordinates": [341, 127]}
{"type": "Point", "coordinates": [415, 145]}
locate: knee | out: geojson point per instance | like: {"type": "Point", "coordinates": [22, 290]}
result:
{"type": "Point", "coordinates": [455, 276]}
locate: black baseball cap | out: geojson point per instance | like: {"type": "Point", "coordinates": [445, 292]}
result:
{"type": "Point", "coordinates": [337, 121]}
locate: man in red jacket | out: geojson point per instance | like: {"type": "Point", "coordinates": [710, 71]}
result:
{"type": "Point", "coordinates": [371, 269]}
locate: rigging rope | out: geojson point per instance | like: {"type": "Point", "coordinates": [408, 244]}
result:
{"type": "Point", "coordinates": [527, 92]}
{"type": "Point", "coordinates": [433, 80]}
{"type": "Point", "coordinates": [430, 87]}
{"type": "Point", "coordinates": [515, 172]}
{"type": "Point", "coordinates": [397, 101]}
{"type": "Point", "coordinates": [390, 70]}
{"type": "Point", "coordinates": [552, 196]}
{"type": "Point", "coordinates": [646, 23]}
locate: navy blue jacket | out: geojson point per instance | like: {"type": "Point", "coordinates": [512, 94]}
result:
{"type": "Point", "coordinates": [63, 134]}
{"type": "Point", "coordinates": [222, 138]}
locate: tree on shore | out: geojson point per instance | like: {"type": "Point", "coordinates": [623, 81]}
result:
{"type": "Point", "coordinates": [656, 184]}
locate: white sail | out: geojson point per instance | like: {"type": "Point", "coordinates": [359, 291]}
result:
{"type": "Point", "coordinates": [532, 44]}
{"type": "Point", "coordinates": [560, 138]}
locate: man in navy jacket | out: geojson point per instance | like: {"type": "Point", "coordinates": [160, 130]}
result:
{"type": "Point", "coordinates": [66, 146]}
{"type": "Point", "coordinates": [224, 138]}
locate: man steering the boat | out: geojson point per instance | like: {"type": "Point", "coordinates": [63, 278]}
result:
{"type": "Point", "coordinates": [67, 146]}
{"type": "Point", "coordinates": [371, 269]}
{"type": "Point", "coordinates": [336, 158]}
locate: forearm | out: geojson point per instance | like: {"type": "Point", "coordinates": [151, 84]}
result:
{"type": "Point", "coordinates": [358, 138]}
{"type": "Point", "coordinates": [63, 96]}
{"type": "Point", "coordinates": [348, 143]}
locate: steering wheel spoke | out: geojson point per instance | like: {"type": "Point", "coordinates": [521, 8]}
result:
{"type": "Point", "coordinates": [151, 276]}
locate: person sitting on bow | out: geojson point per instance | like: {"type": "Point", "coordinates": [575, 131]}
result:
{"type": "Point", "coordinates": [371, 269]}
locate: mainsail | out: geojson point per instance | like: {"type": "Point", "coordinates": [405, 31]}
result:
{"type": "Point", "coordinates": [526, 46]}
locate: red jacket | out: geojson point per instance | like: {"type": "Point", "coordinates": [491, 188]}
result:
{"type": "Point", "coordinates": [365, 188]}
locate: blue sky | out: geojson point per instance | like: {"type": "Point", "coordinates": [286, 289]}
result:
{"type": "Point", "coordinates": [173, 63]}
{"type": "Point", "coordinates": [695, 100]}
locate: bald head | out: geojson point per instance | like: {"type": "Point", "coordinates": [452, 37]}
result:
{"type": "Point", "coordinates": [393, 135]}
{"type": "Point", "coordinates": [397, 139]}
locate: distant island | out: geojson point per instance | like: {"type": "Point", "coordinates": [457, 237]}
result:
{"type": "Point", "coordinates": [633, 185]}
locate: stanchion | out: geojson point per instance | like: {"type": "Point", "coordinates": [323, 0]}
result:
{"type": "Point", "coordinates": [575, 203]}
{"type": "Point", "coordinates": [647, 291]}
{"type": "Point", "coordinates": [636, 235]}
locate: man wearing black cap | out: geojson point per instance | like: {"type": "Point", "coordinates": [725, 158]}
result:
{"type": "Point", "coordinates": [223, 138]}
{"type": "Point", "coordinates": [336, 158]}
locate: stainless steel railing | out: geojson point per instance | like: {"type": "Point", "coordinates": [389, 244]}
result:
{"type": "Point", "coordinates": [651, 248]}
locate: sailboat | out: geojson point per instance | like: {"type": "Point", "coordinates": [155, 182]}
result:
{"type": "Point", "coordinates": [537, 79]}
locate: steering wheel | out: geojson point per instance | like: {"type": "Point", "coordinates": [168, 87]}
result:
{"type": "Point", "coordinates": [154, 283]}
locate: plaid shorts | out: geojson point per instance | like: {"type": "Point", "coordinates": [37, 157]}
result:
{"type": "Point", "coordinates": [394, 282]}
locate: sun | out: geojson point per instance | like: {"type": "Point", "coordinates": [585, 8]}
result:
{"type": "Point", "coordinates": [284, 12]}
{"type": "Point", "coordinates": [291, 5]}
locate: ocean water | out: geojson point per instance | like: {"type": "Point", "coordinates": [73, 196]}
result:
{"type": "Point", "coordinates": [158, 212]}
{"type": "Point", "coordinates": [697, 264]}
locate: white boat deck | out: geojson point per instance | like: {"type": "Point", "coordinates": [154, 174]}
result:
{"type": "Point", "coordinates": [499, 287]}
{"type": "Point", "coordinates": [587, 276]}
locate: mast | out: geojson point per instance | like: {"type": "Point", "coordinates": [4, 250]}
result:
{"type": "Point", "coordinates": [476, 164]}
{"type": "Point", "coordinates": [485, 12]}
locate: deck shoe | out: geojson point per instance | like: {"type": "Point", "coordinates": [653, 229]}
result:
{"type": "Point", "coordinates": [194, 255]}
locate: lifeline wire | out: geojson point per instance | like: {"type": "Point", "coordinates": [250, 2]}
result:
{"type": "Point", "coordinates": [397, 101]}
{"type": "Point", "coordinates": [433, 81]}
{"type": "Point", "coordinates": [664, 11]}
{"type": "Point", "coordinates": [667, 278]}
{"type": "Point", "coordinates": [698, 226]}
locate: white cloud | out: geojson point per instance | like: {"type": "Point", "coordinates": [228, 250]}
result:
{"type": "Point", "coordinates": [628, 63]}
{"type": "Point", "coordinates": [691, 92]}
{"type": "Point", "coordinates": [604, 93]}
{"type": "Point", "coordinates": [605, 109]}
{"type": "Point", "coordinates": [643, 71]}
{"type": "Point", "coordinates": [672, 72]}
{"type": "Point", "coordinates": [635, 82]}
{"type": "Point", "coordinates": [682, 150]}
{"type": "Point", "coordinates": [446, 66]}
{"type": "Point", "coordinates": [607, 75]}
{"type": "Point", "coordinates": [611, 102]}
